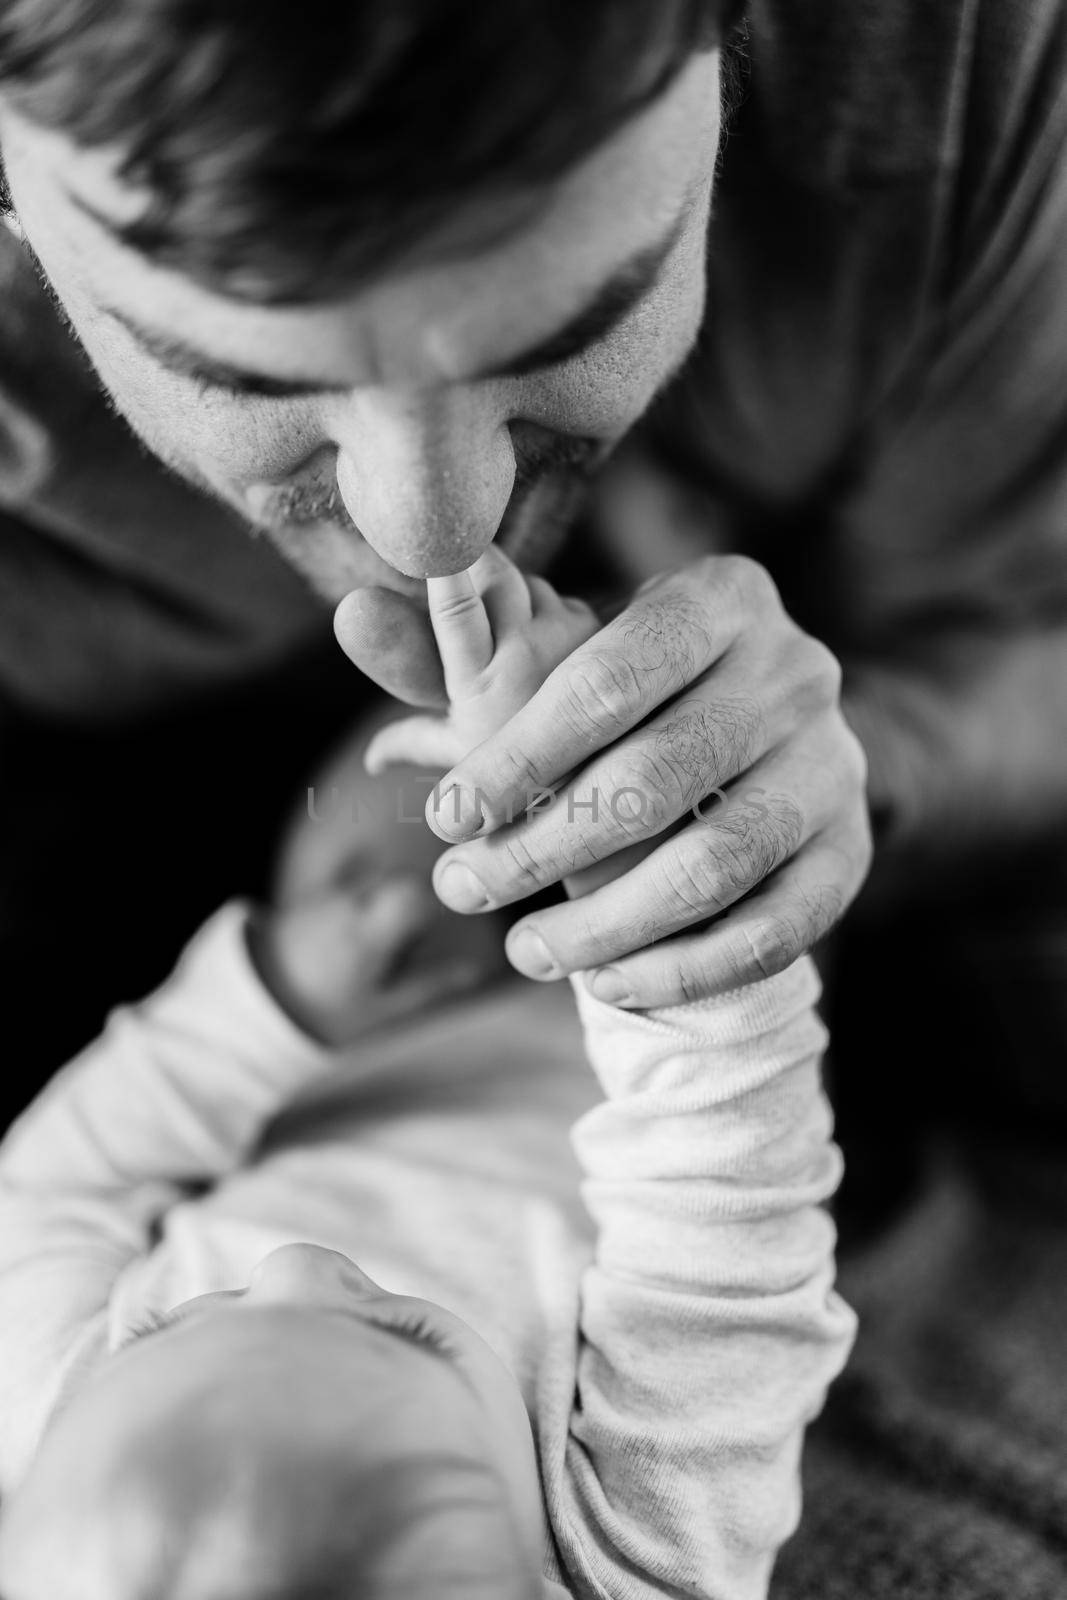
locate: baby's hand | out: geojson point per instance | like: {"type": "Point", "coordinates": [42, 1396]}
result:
{"type": "Point", "coordinates": [500, 635]}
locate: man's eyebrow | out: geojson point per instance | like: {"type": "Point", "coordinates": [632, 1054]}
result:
{"type": "Point", "coordinates": [184, 359]}
{"type": "Point", "coordinates": [608, 306]}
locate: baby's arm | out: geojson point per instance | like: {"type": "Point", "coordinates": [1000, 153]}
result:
{"type": "Point", "coordinates": [174, 1094]}
{"type": "Point", "coordinates": [708, 1327]}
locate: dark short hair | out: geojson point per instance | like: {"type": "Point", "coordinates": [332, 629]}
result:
{"type": "Point", "coordinates": [292, 150]}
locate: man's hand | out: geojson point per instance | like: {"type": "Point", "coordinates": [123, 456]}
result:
{"type": "Point", "coordinates": [703, 727]}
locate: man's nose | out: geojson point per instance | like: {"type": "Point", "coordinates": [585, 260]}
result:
{"type": "Point", "coordinates": [425, 478]}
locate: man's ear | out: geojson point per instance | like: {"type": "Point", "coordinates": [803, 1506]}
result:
{"type": "Point", "coordinates": [26, 455]}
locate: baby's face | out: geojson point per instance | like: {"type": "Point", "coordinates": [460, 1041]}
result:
{"type": "Point", "coordinates": [299, 1431]}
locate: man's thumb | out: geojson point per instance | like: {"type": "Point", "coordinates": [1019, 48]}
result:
{"type": "Point", "coordinates": [389, 638]}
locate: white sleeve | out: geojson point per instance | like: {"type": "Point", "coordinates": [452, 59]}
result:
{"type": "Point", "coordinates": [173, 1094]}
{"type": "Point", "coordinates": [709, 1326]}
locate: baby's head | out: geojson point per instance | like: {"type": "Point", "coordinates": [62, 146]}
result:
{"type": "Point", "coordinates": [310, 1437]}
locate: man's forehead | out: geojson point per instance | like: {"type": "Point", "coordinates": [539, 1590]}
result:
{"type": "Point", "coordinates": [447, 315]}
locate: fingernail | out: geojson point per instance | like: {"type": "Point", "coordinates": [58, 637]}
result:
{"type": "Point", "coordinates": [529, 952]}
{"type": "Point", "coordinates": [458, 813]}
{"type": "Point", "coordinates": [461, 888]}
{"type": "Point", "coordinates": [610, 986]}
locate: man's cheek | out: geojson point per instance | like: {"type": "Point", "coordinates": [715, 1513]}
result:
{"type": "Point", "coordinates": [171, 430]}
{"type": "Point", "coordinates": [134, 395]}
{"type": "Point", "coordinates": [604, 395]}
{"type": "Point", "coordinates": [228, 443]}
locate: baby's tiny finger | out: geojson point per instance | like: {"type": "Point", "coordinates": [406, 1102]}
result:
{"type": "Point", "coordinates": [504, 592]}
{"type": "Point", "coordinates": [412, 741]}
{"type": "Point", "coordinates": [461, 627]}
{"type": "Point", "coordinates": [543, 596]}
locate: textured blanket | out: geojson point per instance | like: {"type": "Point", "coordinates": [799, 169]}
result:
{"type": "Point", "coordinates": [939, 1469]}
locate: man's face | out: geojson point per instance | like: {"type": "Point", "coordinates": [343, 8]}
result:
{"type": "Point", "coordinates": [398, 431]}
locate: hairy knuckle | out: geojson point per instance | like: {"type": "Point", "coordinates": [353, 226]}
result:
{"type": "Point", "coordinates": [605, 690]}
{"type": "Point", "coordinates": [667, 635]}
{"type": "Point", "coordinates": [654, 787]}
{"type": "Point", "coordinates": [733, 729]}
{"type": "Point", "coordinates": [685, 754]}
{"type": "Point", "coordinates": [759, 833]}
{"type": "Point", "coordinates": [632, 801]}
{"type": "Point", "coordinates": [744, 858]}
{"type": "Point", "coordinates": [694, 877]}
